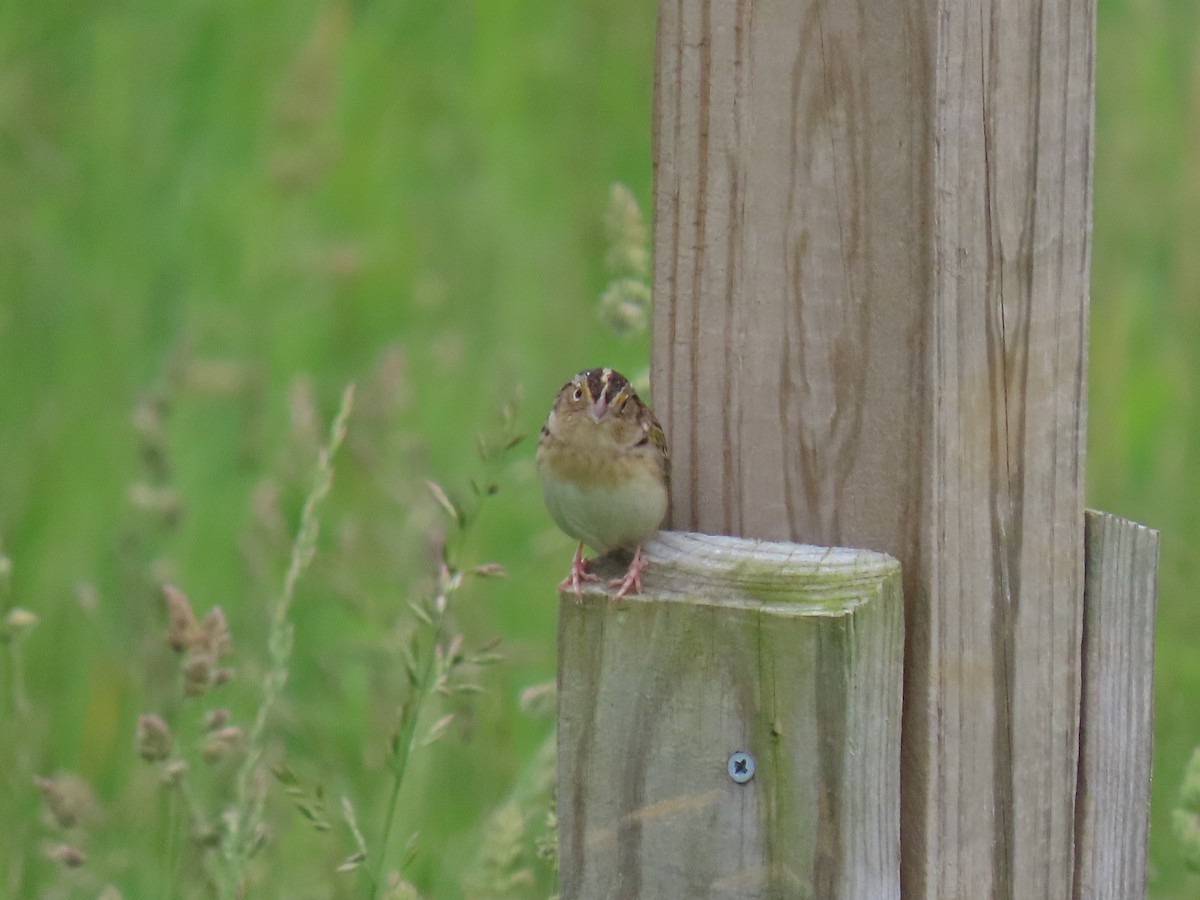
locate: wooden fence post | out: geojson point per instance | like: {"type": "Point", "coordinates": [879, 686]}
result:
{"type": "Point", "coordinates": [872, 231]}
{"type": "Point", "coordinates": [872, 237]}
{"type": "Point", "coordinates": [790, 655]}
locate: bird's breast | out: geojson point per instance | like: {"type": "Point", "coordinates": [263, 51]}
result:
{"type": "Point", "coordinates": [616, 512]}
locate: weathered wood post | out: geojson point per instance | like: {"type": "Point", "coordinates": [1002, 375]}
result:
{"type": "Point", "coordinates": [1113, 806]}
{"type": "Point", "coordinates": [872, 240]}
{"type": "Point", "coordinates": [734, 731]}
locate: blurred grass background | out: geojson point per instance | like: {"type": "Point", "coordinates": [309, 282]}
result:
{"type": "Point", "coordinates": [212, 216]}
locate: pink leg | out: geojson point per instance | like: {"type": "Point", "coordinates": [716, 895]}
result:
{"type": "Point", "coordinates": [578, 575]}
{"type": "Point", "coordinates": [632, 582]}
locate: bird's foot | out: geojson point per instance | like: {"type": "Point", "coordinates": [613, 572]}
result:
{"type": "Point", "coordinates": [578, 575]}
{"type": "Point", "coordinates": [632, 582]}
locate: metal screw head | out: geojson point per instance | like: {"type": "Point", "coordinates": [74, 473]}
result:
{"type": "Point", "coordinates": [740, 767]}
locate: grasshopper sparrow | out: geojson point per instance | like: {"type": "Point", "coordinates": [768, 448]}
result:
{"type": "Point", "coordinates": [603, 463]}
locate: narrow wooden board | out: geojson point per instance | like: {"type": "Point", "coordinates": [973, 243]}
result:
{"type": "Point", "coordinates": [1116, 737]}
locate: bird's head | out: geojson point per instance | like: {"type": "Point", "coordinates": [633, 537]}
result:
{"type": "Point", "coordinates": [600, 395]}
{"type": "Point", "coordinates": [598, 424]}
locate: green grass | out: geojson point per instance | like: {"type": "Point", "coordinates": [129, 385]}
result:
{"type": "Point", "coordinates": [237, 209]}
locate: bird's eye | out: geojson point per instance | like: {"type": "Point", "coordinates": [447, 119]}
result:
{"type": "Point", "coordinates": [578, 394]}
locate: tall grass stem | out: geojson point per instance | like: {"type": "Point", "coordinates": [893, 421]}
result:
{"type": "Point", "coordinates": [245, 817]}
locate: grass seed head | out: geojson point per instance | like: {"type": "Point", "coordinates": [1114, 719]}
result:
{"type": "Point", "coordinates": [153, 738]}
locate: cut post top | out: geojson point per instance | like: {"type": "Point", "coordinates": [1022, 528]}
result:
{"type": "Point", "coordinates": [719, 570]}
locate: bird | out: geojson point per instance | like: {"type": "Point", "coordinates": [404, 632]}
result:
{"type": "Point", "coordinates": [605, 471]}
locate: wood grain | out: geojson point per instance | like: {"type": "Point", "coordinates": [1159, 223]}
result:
{"type": "Point", "coordinates": [792, 653]}
{"type": "Point", "coordinates": [1112, 815]}
{"type": "Point", "coordinates": [872, 237]}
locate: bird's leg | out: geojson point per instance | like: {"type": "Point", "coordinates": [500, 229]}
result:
{"type": "Point", "coordinates": [578, 575]}
{"type": "Point", "coordinates": [632, 582]}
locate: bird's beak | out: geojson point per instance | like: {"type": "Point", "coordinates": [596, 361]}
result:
{"type": "Point", "coordinates": [599, 407]}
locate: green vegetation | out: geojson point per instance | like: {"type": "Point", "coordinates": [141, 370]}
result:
{"type": "Point", "coordinates": [213, 217]}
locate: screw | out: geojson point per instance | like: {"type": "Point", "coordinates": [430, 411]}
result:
{"type": "Point", "coordinates": [740, 767]}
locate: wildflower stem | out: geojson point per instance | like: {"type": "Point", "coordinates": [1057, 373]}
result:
{"type": "Point", "coordinates": [174, 825]}
{"type": "Point", "coordinates": [428, 673]}
{"type": "Point", "coordinates": [403, 751]}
